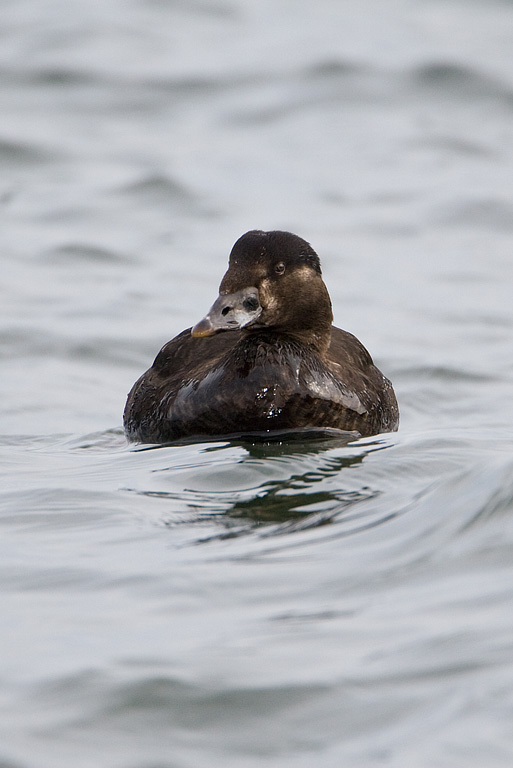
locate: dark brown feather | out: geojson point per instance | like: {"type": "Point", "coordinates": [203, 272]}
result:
{"type": "Point", "coordinates": [291, 370]}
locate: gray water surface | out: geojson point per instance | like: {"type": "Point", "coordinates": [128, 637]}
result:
{"type": "Point", "coordinates": [227, 603]}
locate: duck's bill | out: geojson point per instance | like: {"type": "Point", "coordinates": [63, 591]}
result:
{"type": "Point", "coordinates": [230, 312]}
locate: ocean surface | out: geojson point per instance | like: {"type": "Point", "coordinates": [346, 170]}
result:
{"type": "Point", "coordinates": [229, 604]}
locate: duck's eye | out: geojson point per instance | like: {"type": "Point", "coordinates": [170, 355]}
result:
{"type": "Point", "coordinates": [250, 304]}
{"type": "Point", "coordinates": [280, 268]}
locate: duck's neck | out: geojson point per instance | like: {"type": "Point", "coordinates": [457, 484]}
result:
{"type": "Point", "coordinates": [306, 316]}
{"type": "Point", "coordinates": [317, 342]}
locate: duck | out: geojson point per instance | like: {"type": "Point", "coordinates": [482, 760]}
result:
{"type": "Point", "coordinates": [266, 357]}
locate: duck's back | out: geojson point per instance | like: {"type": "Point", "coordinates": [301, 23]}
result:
{"type": "Point", "coordinates": [351, 363]}
{"type": "Point", "coordinates": [181, 361]}
{"type": "Point", "coordinates": [236, 382]}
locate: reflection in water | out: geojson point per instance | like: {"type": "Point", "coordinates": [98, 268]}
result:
{"type": "Point", "coordinates": [306, 484]}
{"type": "Point", "coordinates": [293, 498]}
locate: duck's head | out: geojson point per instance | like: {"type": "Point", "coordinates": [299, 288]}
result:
{"type": "Point", "coordinates": [273, 282]}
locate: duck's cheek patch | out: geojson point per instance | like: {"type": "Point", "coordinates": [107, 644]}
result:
{"type": "Point", "coordinates": [304, 274]}
{"type": "Point", "coordinates": [268, 301]}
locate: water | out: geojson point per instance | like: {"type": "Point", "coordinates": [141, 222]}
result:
{"type": "Point", "coordinates": [312, 602]}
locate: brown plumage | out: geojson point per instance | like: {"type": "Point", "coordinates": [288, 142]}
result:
{"type": "Point", "coordinates": [266, 357]}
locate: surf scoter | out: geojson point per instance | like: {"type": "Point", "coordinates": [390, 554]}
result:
{"type": "Point", "coordinates": [265, 357]}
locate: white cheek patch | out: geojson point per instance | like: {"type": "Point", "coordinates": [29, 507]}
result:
{"type": "Point", "coordinates": [266, 297]}
{"type": "Point", "coordinates": [304, 273]}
